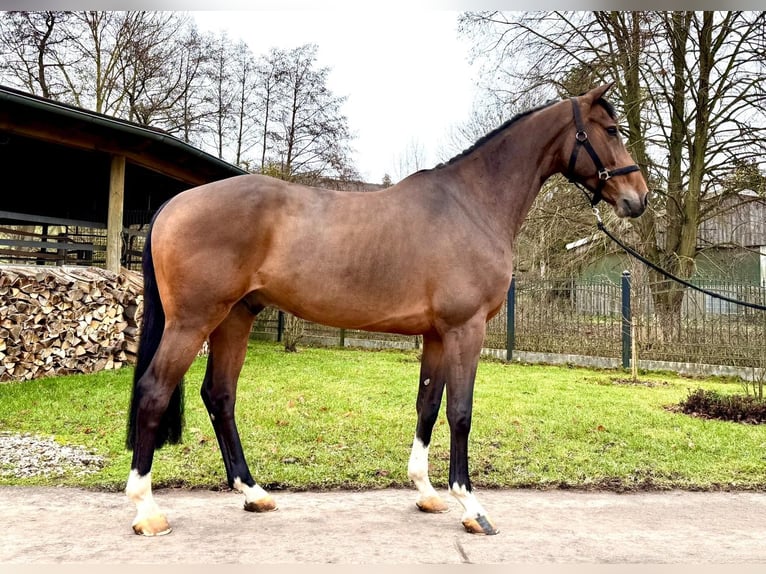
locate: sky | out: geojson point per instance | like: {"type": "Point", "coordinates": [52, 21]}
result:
{"type": "Point", "coordinates": [405, 73]}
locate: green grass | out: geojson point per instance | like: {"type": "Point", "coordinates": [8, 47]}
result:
{"type": "Point", "coordinates": [341, 418]}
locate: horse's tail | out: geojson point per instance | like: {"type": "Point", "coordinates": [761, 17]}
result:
{"type": "Point", "coordinates": [152, 327]}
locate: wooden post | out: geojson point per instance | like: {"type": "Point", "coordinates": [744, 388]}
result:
{"type": "Point", "coordinates": [114, 218]}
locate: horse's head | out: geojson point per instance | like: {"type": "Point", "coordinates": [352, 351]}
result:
{"type": "Point", "coordinates": [598, 159]}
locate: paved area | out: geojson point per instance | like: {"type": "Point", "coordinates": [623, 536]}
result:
{"type": "Point", "coordinates": [61, 525]}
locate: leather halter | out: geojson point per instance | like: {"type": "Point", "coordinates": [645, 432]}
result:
{"type": "Point", "coordinates": [604, 175]}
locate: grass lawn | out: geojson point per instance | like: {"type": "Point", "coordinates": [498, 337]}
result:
{"type": "Point", "coordinates": [330, 418]}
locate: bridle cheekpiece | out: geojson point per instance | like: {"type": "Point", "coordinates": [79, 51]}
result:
{"type": "Point", "coordinates": [604, 175]}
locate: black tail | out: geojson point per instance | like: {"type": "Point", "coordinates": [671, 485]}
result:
{"type": "Point", "coordinates": [152, 327]}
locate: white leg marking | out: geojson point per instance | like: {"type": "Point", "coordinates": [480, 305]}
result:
{"type": "Point", "coordinates": [139, 490]}
{"type": "Point", "coordinates": [472, 507]}
{"type": "Point", "coordinates": [417, 469]}
{"type": "Point", "coordinates": [252, 493]}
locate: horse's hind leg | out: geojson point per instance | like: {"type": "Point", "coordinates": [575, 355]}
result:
{"type": "Point", "coordinates": [228, 346]}
{"type": "Point", "coordinates": [173, 358]}
{"type": "Point", "coordinates": [430, 391]}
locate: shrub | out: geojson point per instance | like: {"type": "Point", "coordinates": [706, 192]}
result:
{"type": "Point", "coordinates": [715, 405]}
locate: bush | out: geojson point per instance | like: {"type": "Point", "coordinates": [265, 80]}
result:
{"type": "Point", "coordinates": [715, 405]}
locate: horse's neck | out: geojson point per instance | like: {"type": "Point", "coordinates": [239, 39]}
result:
{"type": "Point", "coordinates": [508, 171]}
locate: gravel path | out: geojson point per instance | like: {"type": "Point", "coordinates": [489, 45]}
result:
{"type": "Point", "coordinates": [25, 455]}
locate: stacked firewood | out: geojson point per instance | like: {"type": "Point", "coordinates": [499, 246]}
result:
{"type": "Point", "coordinates": [62, 320]}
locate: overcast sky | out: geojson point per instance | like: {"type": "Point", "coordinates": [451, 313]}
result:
{"type": "Point", "coordinates": [406, 74]}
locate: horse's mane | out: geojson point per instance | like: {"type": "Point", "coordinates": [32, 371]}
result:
{"type": "Point", "coordinates": [484, 139]}
{"type": "Point", "coordinates": [608, 107]}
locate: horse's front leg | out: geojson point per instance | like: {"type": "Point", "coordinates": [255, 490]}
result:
{"type": "Point", "coordinates": [461, 358]}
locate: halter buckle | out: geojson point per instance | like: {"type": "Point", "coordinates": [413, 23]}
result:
{"type": "Point", "coordinates": [604, 175]}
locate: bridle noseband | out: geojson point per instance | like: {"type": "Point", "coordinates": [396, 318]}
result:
{"type": "Point", "coordinates": [604, 175]}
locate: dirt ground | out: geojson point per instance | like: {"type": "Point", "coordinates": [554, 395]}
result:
{"type": "Point", "coordinates": [62, 525]}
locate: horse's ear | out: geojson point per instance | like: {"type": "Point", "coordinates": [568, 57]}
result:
{"type": "Point", "coordinates": [596, 93]}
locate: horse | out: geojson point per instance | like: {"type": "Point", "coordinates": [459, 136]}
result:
{"type": "Point", "coordinates": [431, 255]}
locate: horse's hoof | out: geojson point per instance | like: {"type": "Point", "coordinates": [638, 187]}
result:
{"type": "Point", "coordinates": [156, 525]}
{"type": "Point", "coordinates": [432, 505]}
{"type": "Point", "coordinates": [480, 525]}
{"type": "Point", "coordinates": [265, 504]}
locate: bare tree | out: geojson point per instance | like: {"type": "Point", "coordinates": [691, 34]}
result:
{"type": "Point", "coordinates": [235, 102]}
{"type": "Point", "coordinates": [221, 93]}
{"type": "Point", "coordinates": [30, 45]}
{"type": "Point", "coordinates": [314, 135]}
{"type": "Point", "coordinates": [94, 81]}
{"type": "Point", "coordinates": [269, 73]}
{"type": "Point", "coordinates": [246, 106]}
{"type": "Point", "coordinates": [153, 78]}
{"type": "Point", "coordinates": [186, 117]}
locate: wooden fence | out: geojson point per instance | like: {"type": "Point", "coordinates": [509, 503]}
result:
{"type": "Point", "coordinates": [40, 240]}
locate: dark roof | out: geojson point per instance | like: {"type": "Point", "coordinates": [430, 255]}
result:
{"type": "Point", "coordinates": [55, 160]}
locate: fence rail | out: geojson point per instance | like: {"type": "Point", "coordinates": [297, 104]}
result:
{"type": "Point", "coordinates": [600, 319]}
{"type": "Point", "coordinates": [61, 241]}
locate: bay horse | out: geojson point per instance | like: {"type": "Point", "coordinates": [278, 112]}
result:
{"type": "Point", "coordinates": [431, 256]}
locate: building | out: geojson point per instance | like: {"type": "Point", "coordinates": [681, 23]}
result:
{"type": "Point", "coordinates": [77, 184]}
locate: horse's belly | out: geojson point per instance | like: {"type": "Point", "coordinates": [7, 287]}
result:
{"type": "Point", "coordinates": [343, 308]}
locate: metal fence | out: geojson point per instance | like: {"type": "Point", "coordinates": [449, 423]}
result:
{"type": "Point", "coordinates": [707, 329]}
{"type": "Point", "coordinates": [619, 320]}
{"type": "Point", "coordinates": [601, 319]}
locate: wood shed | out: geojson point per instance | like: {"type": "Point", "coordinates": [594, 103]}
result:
{"type": "Point", "coordinates": [97, 177]}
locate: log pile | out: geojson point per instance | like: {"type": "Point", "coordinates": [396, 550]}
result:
{"type": "Point", "coordinates": [64, 320]}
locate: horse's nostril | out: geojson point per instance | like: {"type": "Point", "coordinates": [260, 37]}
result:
{"type": "Point", "coordinates": [646, 200]}
{"type": "Point", "coordinates": [633, 208]}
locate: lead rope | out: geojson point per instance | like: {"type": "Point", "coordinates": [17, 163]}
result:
{"type": "Point", "coordinates": [660, 270]}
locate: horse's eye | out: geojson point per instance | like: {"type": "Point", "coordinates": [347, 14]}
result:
{"type": "Point", "coordinates": [612, 130]}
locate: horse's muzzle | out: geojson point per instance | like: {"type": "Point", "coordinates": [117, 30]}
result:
{"type": "Point", "coordinates": [632, 206]}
